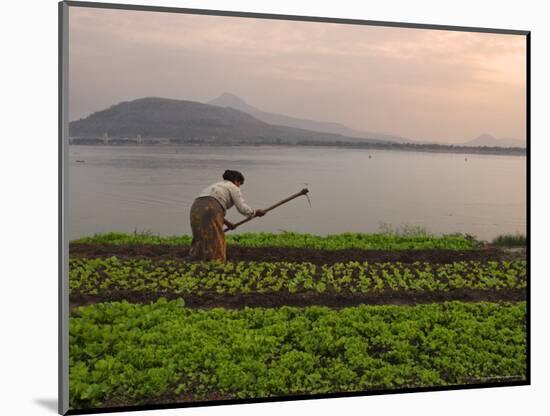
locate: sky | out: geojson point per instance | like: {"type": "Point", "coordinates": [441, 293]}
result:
{"type": "Point", "coordinates": [421, 84]}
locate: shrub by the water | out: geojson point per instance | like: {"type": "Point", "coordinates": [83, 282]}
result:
{"type": "Point", "coordinates": [510, 240]}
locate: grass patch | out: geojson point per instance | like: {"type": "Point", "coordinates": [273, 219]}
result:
{"type": "Point", "coordinates": [376, 241]}
{"type": "Point", "coordinates": [510, 240]}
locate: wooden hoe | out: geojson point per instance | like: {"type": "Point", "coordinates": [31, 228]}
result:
{"type": "Point", "coordinates": [284, 201]}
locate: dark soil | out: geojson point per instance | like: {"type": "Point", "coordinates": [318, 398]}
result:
{"type": "Point", "coordinates": [330, 299]}
{"type": "Point", "coordinates": [317, 256]}
{"type": "Point", "coordinates": [170, 399]}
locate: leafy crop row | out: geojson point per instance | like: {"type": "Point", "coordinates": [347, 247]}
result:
{"type": "Point", "coordinates": [93, 276]}
{"type": "Point", "coordinates": [378, 241]}
{"type": "Point", "coordinates": [135, 353]}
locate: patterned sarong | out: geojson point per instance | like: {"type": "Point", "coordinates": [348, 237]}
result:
{"type": "Point", "coordinates": [207, 226]}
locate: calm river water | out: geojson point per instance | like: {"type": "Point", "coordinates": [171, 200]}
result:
{"type": "Point", "coordinates": [151, 188]}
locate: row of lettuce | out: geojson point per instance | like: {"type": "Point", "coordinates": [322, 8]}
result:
{"type": "Point", "coordinates": [377, 241]}
{"type": "Point", "coordinates": [98, 275]}
{"type": "Point", "coordinates": [137, 354]}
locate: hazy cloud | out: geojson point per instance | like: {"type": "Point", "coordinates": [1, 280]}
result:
{"type": "Point", "coordinates": [422, 84]}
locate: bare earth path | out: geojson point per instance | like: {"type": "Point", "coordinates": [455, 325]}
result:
{"type": "Point", "coordinates": [269, 254]}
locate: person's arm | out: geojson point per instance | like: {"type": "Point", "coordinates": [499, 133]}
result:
{"type": "Point", "coordinates": [238, 200]}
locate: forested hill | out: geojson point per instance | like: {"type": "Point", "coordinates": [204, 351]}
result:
{"type": "Point", "coordinates": [188, 121]}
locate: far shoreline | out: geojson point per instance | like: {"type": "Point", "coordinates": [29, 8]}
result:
{"type": "Point", "coordinates": [419, 148]}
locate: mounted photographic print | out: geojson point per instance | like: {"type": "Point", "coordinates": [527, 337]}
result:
{"type": "Point", "coordinates": [264, 207]}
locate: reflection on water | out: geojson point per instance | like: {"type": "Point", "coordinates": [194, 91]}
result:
{"type": "Point", "coordinates": [151, 188]}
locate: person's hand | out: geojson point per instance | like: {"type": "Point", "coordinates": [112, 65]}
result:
{"type": "Point", "coordinates": [260, 212]}
{"type": "Point", "coordinates": [230, 225]}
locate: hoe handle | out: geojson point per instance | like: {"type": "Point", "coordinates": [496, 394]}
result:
{"type": "Point", "coordinates": [284, 201]}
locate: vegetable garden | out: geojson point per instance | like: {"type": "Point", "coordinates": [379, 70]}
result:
{"type": "Point", "coordinates": [290, 314]}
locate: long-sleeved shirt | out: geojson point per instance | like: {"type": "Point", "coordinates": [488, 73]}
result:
{"type": "Point", "coordinates": [228, 194]}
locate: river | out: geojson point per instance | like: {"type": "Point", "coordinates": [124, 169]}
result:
{"type": "Point", "coordinates": [151, 189]}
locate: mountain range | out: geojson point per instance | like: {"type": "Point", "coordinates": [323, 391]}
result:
{"type": "Point", "coordinates": [232, 101]}
{"type": "Point", "coordinates": [229, 119]}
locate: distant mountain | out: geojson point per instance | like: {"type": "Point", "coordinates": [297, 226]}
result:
{"type": "Point", "coordinates": [232, 101]}
{"type": "Point", "coordinates": [181, 120]}
{"type": "Point", "coordinates": [490, 141]}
